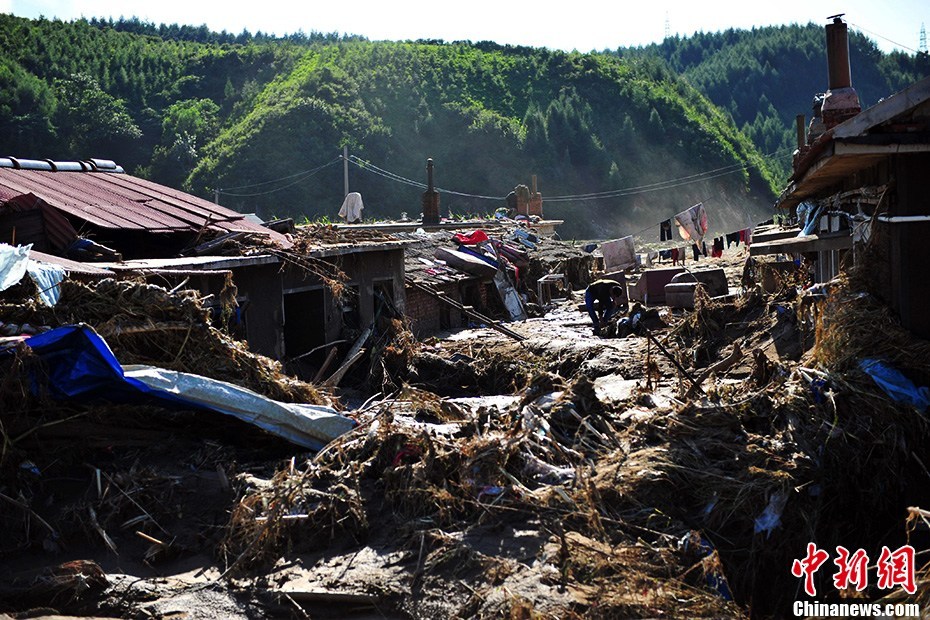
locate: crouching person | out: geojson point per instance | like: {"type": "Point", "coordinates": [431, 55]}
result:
{"type": "Point", "coordinates": [610, 299]}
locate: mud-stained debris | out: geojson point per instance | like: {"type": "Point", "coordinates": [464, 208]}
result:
{"type": "Point", "coordinates": [675, 471]}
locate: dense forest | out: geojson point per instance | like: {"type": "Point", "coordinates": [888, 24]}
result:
{"type": "Point", "coordinates": [764, 77]}
{"type": "Point", "coordinates": [260, 121]}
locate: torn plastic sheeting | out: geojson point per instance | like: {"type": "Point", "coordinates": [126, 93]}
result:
{"type": "Point", "coordinates": [311, 426]}
{"type": "Point", "coordinates": [80, 365]}
{"type": "Point", "coordinates": [48, 278]}
{"type": "Point", "coordinates": [771, 516]}
{"type": "Point", "coordinates": [896, 385]}
{"type": "Point", "coordinates": [713, 572]}
{"type": "Point", "coordinates": [13, 263]}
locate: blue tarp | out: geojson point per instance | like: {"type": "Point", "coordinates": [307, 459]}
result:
{"type": "Point", "coordinates": [80, 365]}
{"type": "Point", "coordinates": [896, 385]}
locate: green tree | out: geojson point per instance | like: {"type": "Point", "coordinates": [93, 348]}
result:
{"type": "Point", "coordinates": [92, 122]}
{"type": "Point", "coordinates": [187, 126]}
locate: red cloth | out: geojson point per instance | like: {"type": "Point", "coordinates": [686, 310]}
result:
{"type": "Point", "coordinates": [472, 238]}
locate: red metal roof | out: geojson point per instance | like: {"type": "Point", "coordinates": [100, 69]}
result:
{"type": "Point", "coordinates": [121, 201]}
{"type": "Point", "coordinates": [58, 228]}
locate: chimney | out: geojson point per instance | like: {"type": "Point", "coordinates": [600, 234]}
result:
{"type": "Point", "coordinates": [430, 199]}
{"type": "Point", "coordinates": [841, 101]}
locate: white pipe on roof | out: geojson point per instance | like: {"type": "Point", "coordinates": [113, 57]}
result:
{"type": "Point", "coordinates": [903, 219]}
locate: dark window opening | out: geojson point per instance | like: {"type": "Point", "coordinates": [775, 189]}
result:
{"type": "Point", "coordinates": [305, 325]}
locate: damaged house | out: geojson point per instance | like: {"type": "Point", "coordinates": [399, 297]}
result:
{"type": "Point", "coordinates": [94, 211]}
{"type": "Point", "coordinates": [860, 176]}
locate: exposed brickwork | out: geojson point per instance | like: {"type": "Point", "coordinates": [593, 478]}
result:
{"type": "Point", "coordinates": [428, 315]}
{"type": "Point", "coordinates": [529, 205]}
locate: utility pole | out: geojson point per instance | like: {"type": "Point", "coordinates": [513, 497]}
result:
{"type": "Point", "coordinates": [216, 195]}
{"type": "Point", "coordinates": [345, 168]}
{"type": "Point", "coordinates": [922, 45]}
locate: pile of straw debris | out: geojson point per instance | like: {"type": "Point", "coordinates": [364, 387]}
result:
{"type": "Point", "coordinates": [690, 497]}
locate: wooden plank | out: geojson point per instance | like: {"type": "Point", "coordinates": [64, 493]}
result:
{"type": "Point", "coordinates": [805, 243]}
{"type": "Point", "coordinates": [885, 110]}
{"type": "Point", "coordinates": [495, 325]}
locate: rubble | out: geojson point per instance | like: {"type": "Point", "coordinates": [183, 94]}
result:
{"type": "Point", "coordinates": [672, 472]}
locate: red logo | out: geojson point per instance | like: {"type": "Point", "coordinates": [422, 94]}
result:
{"type": "Point", "coordinates": [894, 568]}
{"type": "Point", "coordinates": [809, 565]}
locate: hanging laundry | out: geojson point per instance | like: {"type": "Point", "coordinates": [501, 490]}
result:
{"type": "Point", "coordinates": [674, 256]}
{"type": "Point", "coordinates": [692, 224]}
{"type": "Point", "coordinates": [666, 254]}
{"type": "Point", "coordinates": [733, 237]}
{"type": "Point", "coordinates": [697, 252]}
{"type": "Point", "coordinates": [717, 250]}
{"type": "Point", "coordinates": [665, 230]}
{"type": "Point", "coordinates": [619, 254]}
{"type": "Point", "coordinates": [352, 208]}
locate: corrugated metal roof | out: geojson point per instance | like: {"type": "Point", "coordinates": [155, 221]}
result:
{"type": "Point", "coordinates": [69, 265]}
{"type": "Point", "coordinates": [121, 201]}
{"type": "Point", "coordinates": [58, 229]}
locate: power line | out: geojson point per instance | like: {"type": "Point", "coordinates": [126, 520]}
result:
{"type": "Point", "coordinates": [693, 178]}
{"type": "Point", "coordinates": [365, 165]}
{"type": "Point", "coordinates": [302, 176]}
{"type": "Point", "coordinates": [875, 34]}
{"type": "Point", "coordinates": [640, 189]}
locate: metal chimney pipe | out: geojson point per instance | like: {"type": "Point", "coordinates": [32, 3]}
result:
{"type": "Point", "coordinates": [839, 75]}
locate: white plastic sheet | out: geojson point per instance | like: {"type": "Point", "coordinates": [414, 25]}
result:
{"type": "Point", "coordinates": [48, 278]}
{"type": "Point", "coordinates": [310, 426]}
{"type": "Point", "coordinates": [13, 263]}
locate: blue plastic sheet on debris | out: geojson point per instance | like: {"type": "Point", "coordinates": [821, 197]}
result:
{"type": "Point", "coordinates": [80, 366]}
{"type": "Point", "coordinates": [896, 385]}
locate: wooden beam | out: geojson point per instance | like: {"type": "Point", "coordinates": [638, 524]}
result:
{"type": "Point", "coordinates": [467, 310]}
{"type": "Point", "coordinates": [804, 243]}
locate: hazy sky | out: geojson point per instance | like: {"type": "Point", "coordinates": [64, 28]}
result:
{"type": "Point", "coordinates": [584, 26]}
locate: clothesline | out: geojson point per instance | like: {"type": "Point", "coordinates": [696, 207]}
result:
{"type": "Point", "coordinates": [692, 225]}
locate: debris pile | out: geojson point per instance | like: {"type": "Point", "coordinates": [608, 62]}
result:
{"type": "Point", "coordinates": [676, 471]}
{"type": "Point", "coordinates": [146, 324]}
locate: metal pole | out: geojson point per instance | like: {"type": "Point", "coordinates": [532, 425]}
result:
{"type": "Point", "coordinates": [345, 168]}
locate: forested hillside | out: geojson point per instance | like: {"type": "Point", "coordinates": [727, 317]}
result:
{"type": "Point", "coordinates": [261, 121]}
{"type": "Point", "coordinates": [766, 76]}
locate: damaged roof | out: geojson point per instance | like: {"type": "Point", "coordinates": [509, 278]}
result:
{"type": "Point", "coordinates": [896, 124]}
{"type": "Point", "coordinates": [109, 198]}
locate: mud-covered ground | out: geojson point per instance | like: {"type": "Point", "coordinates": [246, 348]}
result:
{"type": "Point", "coordinates": [562, 476]}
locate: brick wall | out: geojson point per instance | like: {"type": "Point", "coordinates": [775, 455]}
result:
{"type": "Point", "coordinates": [427, 315]}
